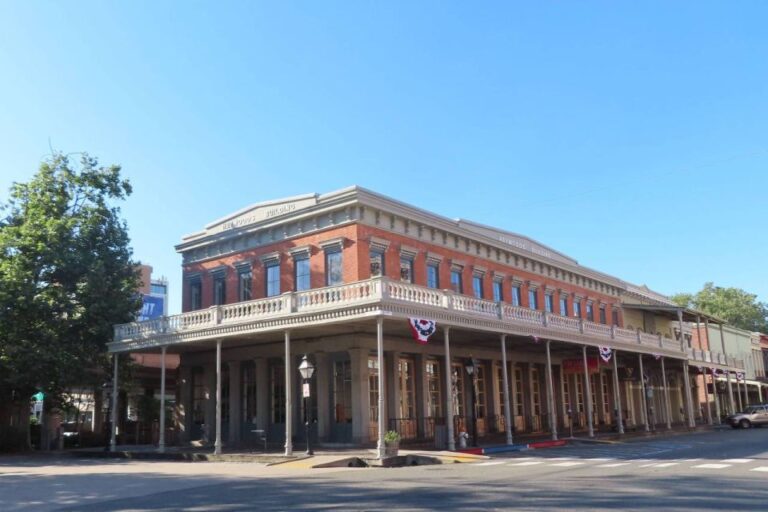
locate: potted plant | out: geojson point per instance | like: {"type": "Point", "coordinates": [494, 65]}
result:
{"type": "Point", "coordinates": [391, 443]}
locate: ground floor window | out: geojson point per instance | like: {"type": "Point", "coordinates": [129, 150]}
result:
{"type": "Point", "coordinates": [373, 388]}
{"type": "Point", "coordinates": [536, 391]}
{"type": "Point", "coordinates": [407, 390]}
{"type": "Point", "coordinates": [249, 392]}
{"type": "Point", "coordinates": [519, 401]}
{"type": "Point", "coordinates": [199, 396]}
{"type": "Point", "coordinates": [342, 391]}
{"type": "Point", "coordinates": [277, 392]}
{"type": "Point", "coordinates": [480, 394]}
{"type": "Point", "coordinates": [434, 400]}
{"type": "Point", "coordinates": [457, 382]}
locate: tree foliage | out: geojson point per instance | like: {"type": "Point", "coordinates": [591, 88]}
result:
{"type": "Point", "coordinates": [66, 276]}
{"type": "Point", "coordinates": [738, 307]}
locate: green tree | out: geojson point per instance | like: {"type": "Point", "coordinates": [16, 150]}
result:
{"type": "Point", "coordinates": [66, 276]}
{"type": "Point", "coordinates": [734, 305]}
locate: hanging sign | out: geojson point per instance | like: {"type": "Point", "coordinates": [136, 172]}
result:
{"type": "Point", "coordinates": [422, 329]}
{"type": "Point", "coordinates": [576, 366]}
{"type": "Point", "coordinates": [605, 353]}
{"type": "Point", "coordinates": [305, 390]}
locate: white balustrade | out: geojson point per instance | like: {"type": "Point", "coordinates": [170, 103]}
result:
{"type": "Point", "coordinates": [626, 335]}
{"type": "Point", "coordinates": [597, 329]}
{"type": "Point", "coordinates": [412, 293]}
{"type": "Point", "coordinates": [525, 315]}
{"type": "Point", "coordinates": [650, 339]}
{"type": "Point", "coordinates": [381, 289]}
{"type": "Point", "coordinates": [475, 305]}
{"type": "Point", "coordinates": [563, 323]}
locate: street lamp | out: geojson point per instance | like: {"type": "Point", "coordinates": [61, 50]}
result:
{"type": "Point", "coordinates": [306, 369]}
{"type": "Point", "coordinates": [472, 368]}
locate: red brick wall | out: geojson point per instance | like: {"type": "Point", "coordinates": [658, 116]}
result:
{"type": "Point", "coordinates": [355, 261]}
{"type": "Point", "coordinates": [316, 263]}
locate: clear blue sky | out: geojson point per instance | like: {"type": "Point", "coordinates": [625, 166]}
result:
{"type": "Point", "coordinates": [631, 136]}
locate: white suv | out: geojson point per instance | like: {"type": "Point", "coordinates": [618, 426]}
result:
{"type": "Point", "coordinates": [752, 415]}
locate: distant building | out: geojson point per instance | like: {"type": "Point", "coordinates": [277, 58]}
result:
{"type": "Point", "coordinates": [154, 293]}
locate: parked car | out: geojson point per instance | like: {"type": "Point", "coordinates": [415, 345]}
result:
{"type": "Point", "coordinates": [754, 415]}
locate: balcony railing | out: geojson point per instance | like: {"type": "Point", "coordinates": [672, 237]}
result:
{"type": "Point", "coordinates": [382, 290]}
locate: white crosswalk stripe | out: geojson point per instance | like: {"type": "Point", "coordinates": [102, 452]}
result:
{"type": "Point", "coordinates": [738, 461]}
{"type": "Point", "coordinates": [527, 463]}
{"type": "Point", "coordinates": [712, 466]}
{"type": "Point", "coordinates": [763, 469]}
{"type": "Point", "coordinates": [665, 464]}
{"type": "Point", "coordinates": [491, 463]}
{"type": "Point", "coordinates": [568, 464]}
{"type": "Point", "coordinates": [613, 465]}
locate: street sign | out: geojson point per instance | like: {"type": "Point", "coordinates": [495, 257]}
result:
{"type": "Point", "coordinates": [305, 390]}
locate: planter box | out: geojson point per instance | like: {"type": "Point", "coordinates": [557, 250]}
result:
{"type": "Point", "coordinates": [390, 449]}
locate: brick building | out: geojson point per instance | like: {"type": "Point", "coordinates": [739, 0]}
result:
{"type": "Point", "coordinates": [338, 277]}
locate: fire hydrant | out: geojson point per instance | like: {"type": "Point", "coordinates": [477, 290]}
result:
{"type": "Point", "coordinates": [463, 436]}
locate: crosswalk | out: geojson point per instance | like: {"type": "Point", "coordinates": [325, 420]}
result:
{"type": "Point", "coordinates": [755, 465]}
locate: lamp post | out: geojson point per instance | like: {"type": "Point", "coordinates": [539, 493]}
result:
{"type": "Point", "coordinates": [471, 368]}
{"type": "Point", "coordinates": [306, 369]}
{"type": "Point", "coordinates": [107, 399]}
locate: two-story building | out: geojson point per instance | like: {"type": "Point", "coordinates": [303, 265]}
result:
{"type": "Point", "coordinates": [514, 335]}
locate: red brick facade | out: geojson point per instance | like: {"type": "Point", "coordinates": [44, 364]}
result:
{"type": "Point", "coordinates": [355, 261]}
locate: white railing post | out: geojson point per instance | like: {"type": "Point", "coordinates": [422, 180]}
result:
{"type": "Point", "coordinates": [661, 340]}
{"type": "Point", "coordinates": [544, 318]}
{"type": "Point", "coordinates": [216, 315]}
{"type": "Point", "coordinates": [500, 308]}
{"type": "Point", "coordinates": [613, 332]}
{"type": "Point", "coordinates": [581, 325]}
{"type": "Point", "coordinates": [639, 339]}
{"type": "Point", "coordinates": [448, 299]}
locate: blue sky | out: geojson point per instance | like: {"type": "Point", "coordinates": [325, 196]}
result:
{"type": "Point", "coordinates": [630, 136]}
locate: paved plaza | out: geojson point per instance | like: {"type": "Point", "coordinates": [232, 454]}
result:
{"type": "Point", "coordinates": [717, 470]}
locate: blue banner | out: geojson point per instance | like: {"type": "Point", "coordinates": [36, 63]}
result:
{"type": "Point", "coordinates": [152, 307]}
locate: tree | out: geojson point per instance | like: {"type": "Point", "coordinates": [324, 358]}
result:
{"type": "Point", "coordinates": [734, 305]}
{"type": "Point", "coordinates": [66, 277]}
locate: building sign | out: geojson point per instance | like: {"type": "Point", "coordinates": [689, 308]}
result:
{"type": "Point", "coordinates": [152, 307]}
{"type": "Point", "coordinates": [576, 366]}
{"type": "Point", "coordinates": [259, 213]}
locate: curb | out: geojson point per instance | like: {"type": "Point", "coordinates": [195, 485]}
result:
{"type": "Point", "coordinates": [514, 447]}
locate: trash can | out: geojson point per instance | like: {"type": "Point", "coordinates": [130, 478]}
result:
{"type": "Point", "coordinates": [441, 437]}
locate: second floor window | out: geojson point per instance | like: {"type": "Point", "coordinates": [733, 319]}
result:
{"type": "Point", "coordinates": [377, 263]}
{"type": "Point", "coordinates": [219, 290]}
{"type": "Point", "coordinates": [590, 312]}
{"type": "Point", "coordinates": [516, 295]}
{"type": "Point", "coordinates": [244, 280]}
{"type": "Point", "coordinates": [577, 308]}
{"type": "Point", "coordinates": [533, 299]}
{"type": "Point", "coordinates": [302, 274]}
{"type": "Point", "coordinates": [615, 317]}
{"type": "Point", "coordinates": [406, 269]}
{"type": "Point", "coordinates": [433, 279]}
{"type": "Point", "coordinates": [333, 274]}
{"type": "Point", "coordinates": [549, 303]}
{"type": "Point", "coordinates": [564, 306]}
{"type": "Point", "coordinates": [477, 286]}
{"type": "Point", "coordinates": [272, 271]}
{"type": "Point", "coordinates": [195, 294]}
{"type": "Point", "coordinates": [497, 291]}
{"type": "Point", "coordinates": [603, 319]}
{"type": "Point", "coordinates": [456, 281]}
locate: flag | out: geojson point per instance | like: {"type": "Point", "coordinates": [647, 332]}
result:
{"type": "Point", "coordinates": [422, 329]}
{"type": "Point", "coordinates": [739, 376]}
{"type": "Point", "coordinates": [605, 353]}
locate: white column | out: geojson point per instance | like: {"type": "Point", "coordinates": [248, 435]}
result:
{"type": "Point", "coordinates": [746, 397]}
{"type": "Point", "coordinates": [642, 393]}
{"type": "Point", "coordinates": [714, 393]}
{"type": "Point", "coordinates": [617, 393]}
{"type": "Point", "coordinates": [588, 391]}
{"type": "Point", "coordinates": [507, 408]}
{"type": "Point", "coordinates": [688, 395]}
{"type": "Point", "coordinates": [731, 409]}
{"type": "Point", "coordinates": [448, 393]}
{"type": "Point", "coordinates": [217, 443]}
{"type": "Point", "coordinates": [113, 433]}
{"type": "Point", "coordinates": [706, 397]}
{"type": "Point", "coordinates": [161, 442]}
{"type": "Point", "coordinates": [667, 403]}
{"type": "Point", "coordinates": [288, 397]}
{"type": "Point", "coordinates": [551, 396]}
{"type": "Point", "coordinates": [382, 407]}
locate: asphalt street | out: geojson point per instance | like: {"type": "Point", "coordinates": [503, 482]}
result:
{"type": "Point", "coordinates": [722, 470]}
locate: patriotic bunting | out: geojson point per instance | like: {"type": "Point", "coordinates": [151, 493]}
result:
{"type": "Point", "coordinates": [657, 356]}
{"type": "Point", "coordinates": [422, 329]}
{"type": "Point", "coordinates": [605, 353]}
{"type": "Point", "coordinates": [739, 376]}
